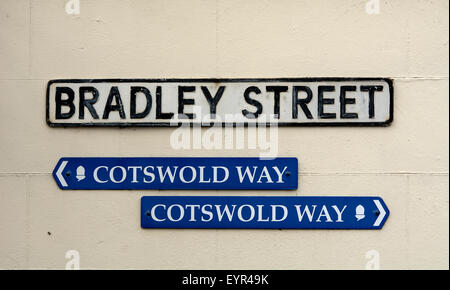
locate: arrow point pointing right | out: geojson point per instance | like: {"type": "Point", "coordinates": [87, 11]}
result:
{"type": "Point", "coordinates": [381, 215]}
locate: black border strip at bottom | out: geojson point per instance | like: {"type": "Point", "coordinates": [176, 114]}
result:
{"type": "Point", "coordinates": [173, 279]}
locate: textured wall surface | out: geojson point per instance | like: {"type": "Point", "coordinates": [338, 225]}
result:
{"type": "Point", "coordinates": [407, 164]}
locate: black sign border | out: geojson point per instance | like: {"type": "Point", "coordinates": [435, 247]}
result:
{"type": "Point", "coordinates": [229, 80]}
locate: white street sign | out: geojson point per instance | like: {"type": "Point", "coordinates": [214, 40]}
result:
{"type": "Point", "coordinates": [165, 102]}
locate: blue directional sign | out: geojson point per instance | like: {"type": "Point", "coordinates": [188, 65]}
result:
{"type": "Point", "coordinates": [269, 212]}
{"type": "Point", "coordinates": [176, 173]}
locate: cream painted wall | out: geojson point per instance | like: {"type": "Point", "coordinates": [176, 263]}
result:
{"type": "Point", "coordinates": [407, 164]}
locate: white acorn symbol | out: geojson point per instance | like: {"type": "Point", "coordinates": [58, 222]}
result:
{"type": "Point", "coordinates": [80, 173]}
{"type": "Point", "coordinates": [359, 212]}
